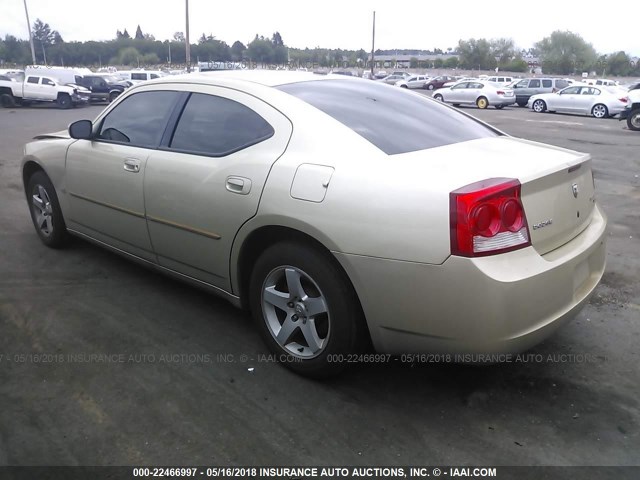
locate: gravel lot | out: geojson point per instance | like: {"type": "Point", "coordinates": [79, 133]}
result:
{"type": "Point", "coordinates": [161, 387]}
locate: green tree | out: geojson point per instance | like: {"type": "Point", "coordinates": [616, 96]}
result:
{"type": "Point", "coordinates": [451, 62]}
{"type": "Point", "coordinates": [43, 37]}
{"type": "Point", "coordinates": [260, 50]}
{"type": "Point", "coordinates": [139, 34]}
{"type": "Point", "coordinates": [516, 65]}
{"type": "Point", "coordinates": [129, 56]}
{"type": "Point", "coordinates": [475, 54]}
{"type": "Point", "coordinates": [178, 37]}
{"type": "Point", "coordinates": [150, 59]}
{"type": "Point", "coordinates": [276, 39]}
{"type": "Point", "coordinates": [565, 53]}
{"type": "Point", "coordinates": [438, 63]}
{"type": "Point", "coordinates": [237, 50]}
{"type": "Point", "coordinates": [619, 64]}
{"type": "Point", "coordinates": [503, 49]}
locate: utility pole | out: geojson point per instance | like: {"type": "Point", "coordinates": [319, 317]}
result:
{"type": "Point", "coordinates": [33, 51]}
{"type": "Point", "coordinates": [188, 47]}
{"type": "Point", "coordinates": [373, 43]}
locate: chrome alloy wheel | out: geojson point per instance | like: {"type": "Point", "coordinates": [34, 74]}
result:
{"type": "Point", "coordinates": [295, 312]}
{"type": "Point", "coordinates": [599, 111]}
{"type": "Point", "coordinates": [539, 106]}
{"type": "Point", "coordinates": [42, 210]}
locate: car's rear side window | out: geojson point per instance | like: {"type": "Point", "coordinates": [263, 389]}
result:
{"type": "Point", "coordinates": [547, 83]}
{"type": "Point", "coordinates": [394, 120]}
{"type": "Point", "coordinates": [218, 126]}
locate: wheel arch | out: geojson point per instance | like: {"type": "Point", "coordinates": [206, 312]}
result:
{"type": "Point", "coordinates": [30, 167]}
{"type": "Point", "coordinates": [247, 250]}
{"type": "Point", "coordinates": [244, 256]}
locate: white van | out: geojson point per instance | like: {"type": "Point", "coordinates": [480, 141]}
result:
{"type": "Point", "coordinates": [137, 76]}
{"type": "Point", "coordinates": [500, 79]}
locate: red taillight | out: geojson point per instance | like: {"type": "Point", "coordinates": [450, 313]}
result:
{"type": "Point", "coordinates": [500, 92]}
{"type": "Point", "coordinates": [487, 218]}
{"type": "Point", "coordinates": [624, 99]}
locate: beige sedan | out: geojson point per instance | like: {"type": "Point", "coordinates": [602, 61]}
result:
{"type": "Point", "coordinates": [343, 214]}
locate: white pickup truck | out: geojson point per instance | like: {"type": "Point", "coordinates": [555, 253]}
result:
{"type": "Point", "coordinates": [38, 88]}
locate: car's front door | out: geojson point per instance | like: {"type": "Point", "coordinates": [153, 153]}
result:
{"type": "Point", "coordinates": [48, 89]}
{"type": "Point", "coordinates": [565, 101]}
{"type": "Point", "coordinates": [104, 176]}
{"type": "Point", "coordinates": [206, 180]}
{"type": "Point", "coordinates": [457, 93]}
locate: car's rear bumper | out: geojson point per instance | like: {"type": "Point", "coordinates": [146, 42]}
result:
{"type": "Point", "coordinates": [499, 304]}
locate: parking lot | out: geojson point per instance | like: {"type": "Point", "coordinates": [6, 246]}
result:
{"type": "Point", "coordinates": [103, 362]}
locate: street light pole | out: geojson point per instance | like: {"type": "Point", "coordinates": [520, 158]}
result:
{"type": "Point", "coordinates": [188, 47]}
{"type": "Point", "coordinates": [33, 51]}
{"type": "Point", "coordinates": [373, 43]}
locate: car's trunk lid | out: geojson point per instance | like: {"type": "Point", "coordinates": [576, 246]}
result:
{"type": "Point", "coordinates": [557, 184]}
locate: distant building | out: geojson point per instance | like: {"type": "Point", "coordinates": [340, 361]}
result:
{"type": "Point", "coordinates": [404, 61]}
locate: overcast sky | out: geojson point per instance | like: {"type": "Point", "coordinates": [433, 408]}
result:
{"type": "Point", "coordinates": [422, 24]}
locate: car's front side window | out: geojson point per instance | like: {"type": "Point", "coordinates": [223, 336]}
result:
{"type": "Point", "coordinates": [139, 120]}
{"type": "Point", "coordinates": [217, 126]}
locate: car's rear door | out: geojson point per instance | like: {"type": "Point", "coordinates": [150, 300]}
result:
{"type": "Point", "coordinates": [104, 176]}
{"type": "Point", "coordinates": [207, 178]}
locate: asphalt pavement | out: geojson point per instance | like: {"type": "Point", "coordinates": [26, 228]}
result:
{"type": "Point", "coordinates": [103, 362]}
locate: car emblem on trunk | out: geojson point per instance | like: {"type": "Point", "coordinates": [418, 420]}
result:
{"type": "Point", "coordinates": [574, 189]}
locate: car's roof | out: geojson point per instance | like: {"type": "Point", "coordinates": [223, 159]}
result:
{"type": "Point", "coordinates": [269, 78]}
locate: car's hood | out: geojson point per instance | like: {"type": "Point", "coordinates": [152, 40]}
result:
{"type": "Point", "coordinates": [48, 136]}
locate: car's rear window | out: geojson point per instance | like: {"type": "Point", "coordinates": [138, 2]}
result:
{"type": "Point", "coordinates": [394, 120]}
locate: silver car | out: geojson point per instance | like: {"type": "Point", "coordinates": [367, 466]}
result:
{"type": "Point", "coordinates": [475, 92]}
{"type": "Point", "coordinates": [600, 102]}
{"type": "Point", "coordinates": [340, 212]}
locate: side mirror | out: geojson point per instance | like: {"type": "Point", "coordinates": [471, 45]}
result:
{"type": "Point", "coordinates": [81, 130]}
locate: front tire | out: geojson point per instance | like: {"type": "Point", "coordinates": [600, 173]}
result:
{"type": "Point", "coordinates": [438, 97]}
{"type": "Point", "coordinates": [633, 120]}
{"type": "Point", "coordinates": [305, 309]}
{"type": "Point", "coordinates": [113, 96]}
{"type": "Point", "coordinates": [45, 211]}
{"type": "Point", "coordinates": [600, 111]}
{"type": "Point", "coordinates": [64, 101]}
{"type": "Point", "coordinates": [539, 106]}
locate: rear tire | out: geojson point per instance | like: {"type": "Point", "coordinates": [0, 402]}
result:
{"type": "Point", "coordinates": [482, 103]}
{"type": "Point", "coordinates": [600, 111]}
{"type": "Point", "coordinates": [430, 87]}
{"type": "Point", "coordinates": [499, 107]}
{"type": "Point", "coordinates": [633, 120]}
{"type": "Point", "coordinates": [7, 101]}
{"type": "Point", "coordinates": [305, 308]}
{"type": "Point", "coordinates": [45, 211]}
{"type": "Point", "coordinates": [522, 104]}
